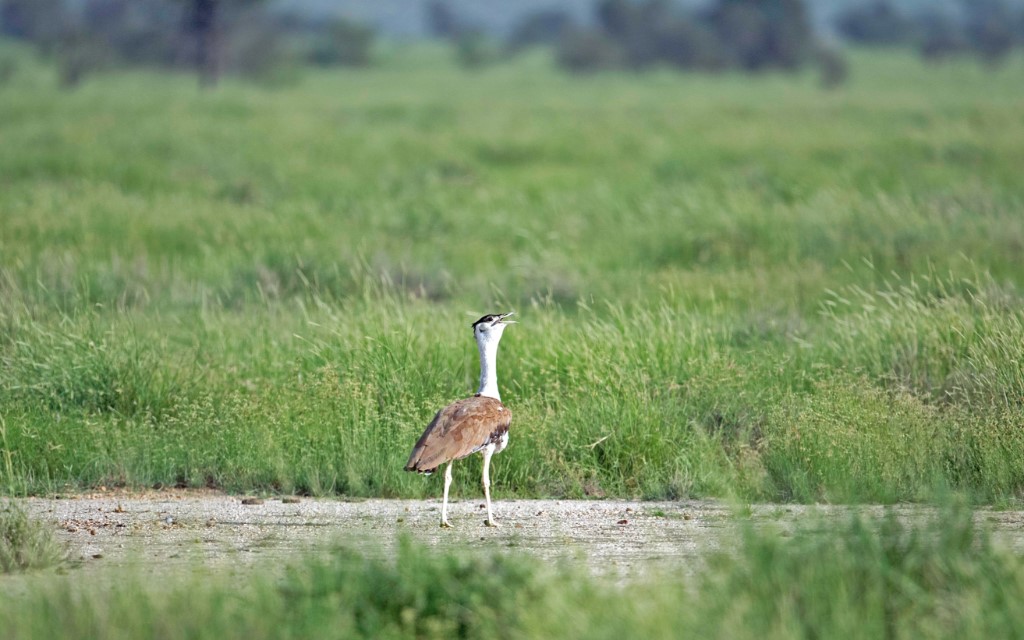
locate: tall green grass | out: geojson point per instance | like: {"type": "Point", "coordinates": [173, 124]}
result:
{"type": "Point", "coordinates": [727, 287]}
{"type": "Point", "coordinates": [26, 544]}
{"type": "Point", "coordinates": [938, 576]}
{"type": "Point", "coordinates": [651, 402]}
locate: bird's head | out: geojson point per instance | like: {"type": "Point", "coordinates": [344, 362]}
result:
{"type": "Point", "coordinates": [488, 328]}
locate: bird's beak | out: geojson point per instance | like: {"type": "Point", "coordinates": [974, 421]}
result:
{"type": "Point", "coordinates": [502, 317]}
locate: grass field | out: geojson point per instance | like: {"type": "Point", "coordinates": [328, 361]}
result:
{"type": "Point", "coordinates": [851, 578]}
{"type": "Point", "coordinates": [731, 287]}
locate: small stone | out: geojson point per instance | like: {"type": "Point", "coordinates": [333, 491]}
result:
{"type": "Point", "coordinates": [622, 522]}
{"type": "Point", "coordinates": [252, 501]}
{"type": "Point", "coordinates": [97, 556]}
{"type": "Point", "coordinates": [290, 501]}
{"type": "Point", "coordinates": [687, 516]}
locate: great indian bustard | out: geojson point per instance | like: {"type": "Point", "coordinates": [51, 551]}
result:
{"type": "Point", "coordinates": [479, 423]}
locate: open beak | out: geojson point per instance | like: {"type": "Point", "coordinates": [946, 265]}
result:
{"type": "Point", "coordinates": [502, 317]}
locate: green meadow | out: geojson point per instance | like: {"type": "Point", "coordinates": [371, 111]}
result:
{"type": "Point", "coordinates": [736, 286]}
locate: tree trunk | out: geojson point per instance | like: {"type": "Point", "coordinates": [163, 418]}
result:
{"type": "Point", "coordinates": [206, 28]}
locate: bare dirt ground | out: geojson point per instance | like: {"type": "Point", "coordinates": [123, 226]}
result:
{"type": "Point", "coordinates": [165, 529]}
{"type": "Point", "coordinates": [160, 531]}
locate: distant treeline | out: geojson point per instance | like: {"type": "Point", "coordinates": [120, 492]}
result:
{"type": "Point", "coordinates": [753, 35]}
{"type": "Point", "coordinates": [988, 29]}
{"type": "Point", "coordinates": [253, 38]}
{"type": "Point", "coordinates": [242, 37]}
{"type": "Point", "coordinates": [748, 35]}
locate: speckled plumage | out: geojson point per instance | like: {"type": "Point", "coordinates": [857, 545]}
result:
{"type": "Point", "coordinates": [462, 428]}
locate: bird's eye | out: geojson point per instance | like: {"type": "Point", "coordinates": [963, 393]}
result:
{"type": "Point", "coordinates": [485, 321]}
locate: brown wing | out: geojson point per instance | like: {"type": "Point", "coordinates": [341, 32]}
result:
{"type": "Point", "coordinates": [461, 428]}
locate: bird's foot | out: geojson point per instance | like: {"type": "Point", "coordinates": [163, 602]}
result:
{"type": "Point", "coordinates": [490, 522]}
{"type": "Point", "coordinates": [445, 524]}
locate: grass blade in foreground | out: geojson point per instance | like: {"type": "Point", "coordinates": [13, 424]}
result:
{"type": "Point", "coordinates": [26, 544]}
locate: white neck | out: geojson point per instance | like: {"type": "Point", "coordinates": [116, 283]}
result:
{"type": "Point", "coordinates": [488, 368]}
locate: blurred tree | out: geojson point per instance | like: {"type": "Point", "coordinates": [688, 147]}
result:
{"type": "Point", "coordinates": [751, 34]}
{"type": "Point", "coordinates": [832, 67]}
{"type": "Point", "coordinates": [58, 32]}
{"type": "Point", "coordinates": [791, 36]}
{"type": "Point", "coordinates": [765, 33]}
{"type": "Point", "coordinates": [344, 43]}
{"type": "Point", "coordinates": [617, 17]}
{"type": "Point", "coordinates": [39, 21]}
{"type": "Point", "coordinates": [539, 28]}
{"type": "Point", "coordinates": [688, 43]}
{"type": "Point", "coordinates": [989, 29]}
{"type": "Point", "coordinates": [205, 24]}
{"type": "Point", "coordinates": [135, 31]}
{"type": "Point", "coordinates": [942, 38]}
{"type": "Point", "coordinates": [633, 25]}
{"type": "Point", "coordinates": [78, 54]}
{"type": "Point", "coordinates": [878, 23]}
{"type": "Point", "coordinates": [744, 29]}
{"type": "Point", "coordinates": [255, 47]}
{"type": "Point", "coordinates": [441, 20]}
{"type": "Point", "coordinates": [587, 50]}
{"type": "Point", "coordinates": [212, 36]}
{"type": "Point", "coordinates": [474, 49]}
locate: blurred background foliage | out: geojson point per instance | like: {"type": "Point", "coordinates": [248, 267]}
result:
{"type": "Point", "coordinates": [268, 40]}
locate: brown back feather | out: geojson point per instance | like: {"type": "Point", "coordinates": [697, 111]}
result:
{"type": "Point", "coordinates": [460, 429]}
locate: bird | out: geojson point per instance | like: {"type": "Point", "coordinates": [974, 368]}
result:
{"type": "Point", "coordinates": [478, 423]}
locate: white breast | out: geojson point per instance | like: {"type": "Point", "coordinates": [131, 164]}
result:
{"type": "Point", "coordinates": [502, 443]}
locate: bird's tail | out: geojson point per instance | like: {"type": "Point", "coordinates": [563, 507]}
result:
{"type": "Point", "coordinates": [416, 461]}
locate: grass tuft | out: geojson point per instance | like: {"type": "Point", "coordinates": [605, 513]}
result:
{"type": "Point", "coordinates": [26, 544]}
{"type": "Point", "coordinates": [934, 576]}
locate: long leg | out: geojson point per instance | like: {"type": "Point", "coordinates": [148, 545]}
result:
{"type": "Point", "coordinates": [488, 452]}
{"type": "Point", "coordinates": [444, 503]}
